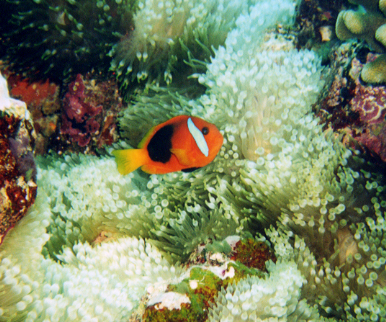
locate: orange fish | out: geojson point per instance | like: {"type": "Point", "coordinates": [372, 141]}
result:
{"type": "Point", "coordinates": [182, 143]}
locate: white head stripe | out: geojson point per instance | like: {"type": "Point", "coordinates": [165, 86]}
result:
{"type": "Point", "coordinates": [198, 137]}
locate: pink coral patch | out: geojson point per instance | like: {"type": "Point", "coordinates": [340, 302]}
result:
{"type": "Point", "coordinates": [370, 103]}
{"type": "Point", "coordinates": [78, 117]}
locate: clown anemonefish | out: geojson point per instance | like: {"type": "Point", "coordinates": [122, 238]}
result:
{"type": "Point", "coordinates": [182, 143]}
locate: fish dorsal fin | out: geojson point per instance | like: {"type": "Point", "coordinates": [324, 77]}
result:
{"type": "Point", "coordinates": [198, 137]}
{"type": "Point", "coordinates": [181, 156]}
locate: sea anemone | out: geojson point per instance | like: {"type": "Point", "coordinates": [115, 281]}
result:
{"type": "Point", "coordinates": [55, 40]}
{"type": "Point", "coordinates": [279, 176]}
{"type": "Point", "coordinates": [173, 39]}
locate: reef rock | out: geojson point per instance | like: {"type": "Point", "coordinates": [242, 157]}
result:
{"type": "Point", "coordinates": [17, 166]}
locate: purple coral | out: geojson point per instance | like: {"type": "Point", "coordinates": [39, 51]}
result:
{"type": "Point", "coordinates": [78, 119]}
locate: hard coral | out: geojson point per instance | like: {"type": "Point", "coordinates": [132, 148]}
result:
{"type": "Point", "coordinates": [368, 22]}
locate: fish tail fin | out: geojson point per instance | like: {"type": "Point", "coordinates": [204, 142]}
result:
{"type": "Point", "coordinates": [129, 160]}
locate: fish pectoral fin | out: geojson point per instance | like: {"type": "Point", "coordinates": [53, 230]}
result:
{"type": "Point", "coordinates": [129, 160]}
{"type": "Point", "coordinates": [181, 156]}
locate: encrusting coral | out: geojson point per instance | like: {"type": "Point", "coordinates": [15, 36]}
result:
{"type": "Point", "coordinates": [320, 205]}
{"type": "Point", "coordinates": [368, 23]}
{"type": "Point", "coordinates": [78, 119]}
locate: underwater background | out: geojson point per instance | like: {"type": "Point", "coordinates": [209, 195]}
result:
{"type": "Point", "coordinates": [286, 224]}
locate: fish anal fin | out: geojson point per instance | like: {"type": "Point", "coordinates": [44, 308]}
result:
{"type": "Point", "coordinates": [181, 156]}
{"type": "Point", "coordinates": [129, 160]}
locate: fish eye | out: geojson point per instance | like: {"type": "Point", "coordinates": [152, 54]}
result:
{"type": "Point", "coordinates": [205, 130]}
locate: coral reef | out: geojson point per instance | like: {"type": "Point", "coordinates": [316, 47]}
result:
{"type": "Point", "coordinates": [316, 20]}
{"type": "Point", "coordinates": [352, 109]}
{"type": "Point", "coordinates": [17, 166]}
{"type": "Point", "coordinates": [109, 246]}
{"type": "Point", "coordinates": [78, 120]}
{"type": "Point", "coordinates": [90, 108]}
{"type": "Point", "coordinates": [368, 22]}
{"type": "Point", "coordinates": [59, 39]}
{"type": "Point", "coordinates": [278, 167]}
{"type": "Point", "coordinates": [42, 99]}
{"type": "Point", "coordinates": [369, 103]}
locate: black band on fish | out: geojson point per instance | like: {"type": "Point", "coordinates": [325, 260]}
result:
{"type": "Point", "coordinates": [160, 144]}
